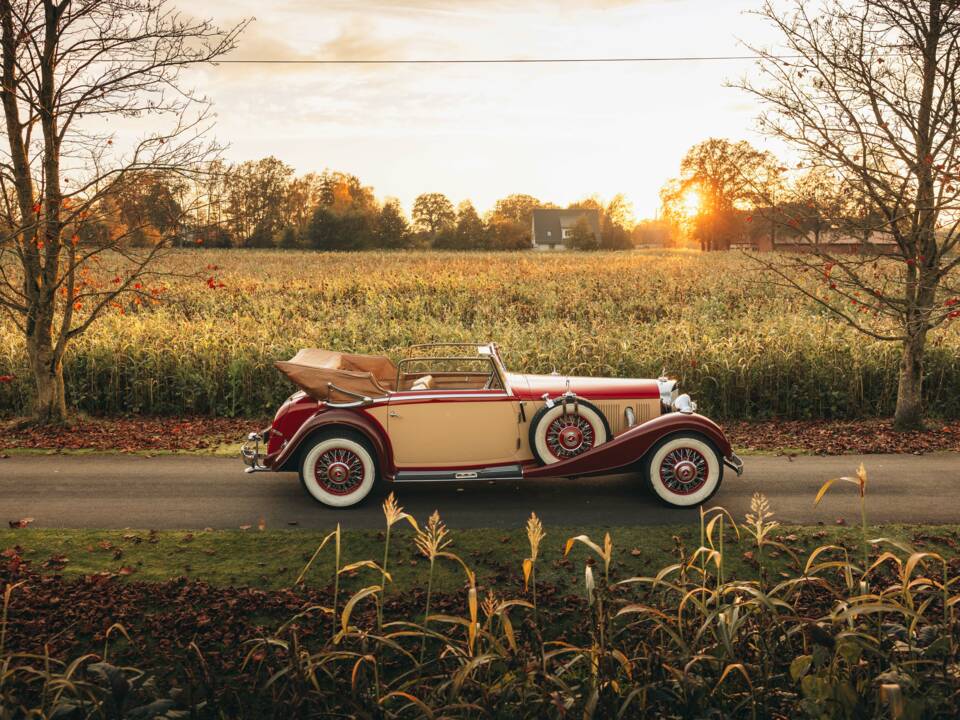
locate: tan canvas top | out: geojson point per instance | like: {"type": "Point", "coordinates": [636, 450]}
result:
{"type": "Point", "coordinates": [313, 370]}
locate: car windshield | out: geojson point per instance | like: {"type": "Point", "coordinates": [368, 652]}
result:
{"type": "Point", "coordinates": [448, 373]}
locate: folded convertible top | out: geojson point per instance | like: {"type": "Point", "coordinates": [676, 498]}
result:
{"type": "Point", "coordinates": [315, 370]}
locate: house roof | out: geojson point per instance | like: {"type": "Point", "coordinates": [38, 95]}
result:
{"type": "Point", "coordinates": [549, 223]}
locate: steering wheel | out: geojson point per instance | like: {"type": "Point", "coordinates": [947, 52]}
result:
{"type": "Point", "coordinates": [491, 379]}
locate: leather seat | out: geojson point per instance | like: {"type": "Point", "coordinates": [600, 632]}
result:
{"type": "Point", "coordinates": [423, 383]}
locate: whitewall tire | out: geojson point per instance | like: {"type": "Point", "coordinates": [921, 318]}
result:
{"type": "Point", "coordinates": [560, 433]}
{"type": "Point", "coordinates": [684, 470]}
{"type": "Point", "coordinates": [338, 471]}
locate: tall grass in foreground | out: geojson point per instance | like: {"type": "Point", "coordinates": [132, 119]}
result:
{"type": "Point", "coordinates": [831, 639]}
{"type": "Point", "coordinates": [743, 348]}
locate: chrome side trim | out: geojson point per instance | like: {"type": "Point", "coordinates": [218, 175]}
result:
{"type": "Point", "coordinates": [402, 396]}
{"type": "Point", "coordinates": [506, 472]}
{"type": "Point", "coordinates": [361, 401]}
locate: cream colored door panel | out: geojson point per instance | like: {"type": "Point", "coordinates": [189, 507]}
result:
{"type": "Point", "coordinates": [453, 433]}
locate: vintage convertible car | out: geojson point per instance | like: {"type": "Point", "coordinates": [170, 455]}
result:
{"type": "Point", "coordinates": [452, 412]}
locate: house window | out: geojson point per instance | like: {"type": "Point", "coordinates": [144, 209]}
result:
{"type": "Point", "coordinates": [549, 233]}
{"type": "Point", "coordinates": [567, 233]}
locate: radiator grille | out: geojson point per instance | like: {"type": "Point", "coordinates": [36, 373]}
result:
{"type": "Point", "coordinates": [615, 413]}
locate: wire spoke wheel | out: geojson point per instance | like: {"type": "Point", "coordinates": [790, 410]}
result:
{"type": "Point", "coordinates": [684, 470]}
{"type": "Point", "coordinates": [570, 435]}
{"type": "Point", "coordinates": [563, 430]}
{"type": "Point", "coordinates": [339, 471]}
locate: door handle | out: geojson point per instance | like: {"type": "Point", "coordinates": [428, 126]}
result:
{"type": "Point", "coordinates": [393, 413]}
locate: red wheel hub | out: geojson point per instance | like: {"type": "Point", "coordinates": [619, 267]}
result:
{"type": "Point", "coordinates": [571, 438]}
{"type": "Point", "coordinates": [339, 471]}
{"type": "Point", "coordinates": [569, 435]}
{"type": "Point", "coordinates": [684, 471]}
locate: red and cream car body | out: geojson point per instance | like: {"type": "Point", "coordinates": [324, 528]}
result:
{"type": "Point", "coordinates": [454, 413]}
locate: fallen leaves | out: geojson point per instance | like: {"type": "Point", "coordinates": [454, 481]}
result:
{"type": "Point", "coordinates": [130, 434]}
{"type": "Point", "coordinates": [841, 437]}
{"type": "Point", "coordinates": [14, 559]}
{"type": "Point", "coordinates": [56, 562]}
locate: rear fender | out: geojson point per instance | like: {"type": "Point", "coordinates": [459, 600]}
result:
{"type": "Point", "coordinates": [356, 420]}
{"type": "Point", "coordinates": [630, 446]}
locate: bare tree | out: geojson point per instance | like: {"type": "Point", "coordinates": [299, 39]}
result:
{"type": "Point", "coordinates": [74, 74]}
{"type": "Point", "coordinates": [868, 93]}
{"type": "Point", "coordinates": [814, 202]}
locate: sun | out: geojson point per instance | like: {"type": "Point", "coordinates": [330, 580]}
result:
{"type": "Point", "coordinates": [691, 202]}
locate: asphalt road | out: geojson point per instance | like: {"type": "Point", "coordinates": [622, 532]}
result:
{"type": "Point", "coordinates": [174, 492]}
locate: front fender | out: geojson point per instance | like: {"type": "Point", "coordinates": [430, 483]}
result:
{"type": "Point", "coordinates": [356, 420]}
{"type": "Point", "coordinates": [630, 446]}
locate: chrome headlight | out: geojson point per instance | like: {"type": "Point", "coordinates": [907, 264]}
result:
{"type": "Point", "coordinates": [684, 404]}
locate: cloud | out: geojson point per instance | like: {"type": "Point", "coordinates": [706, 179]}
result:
{"type": "Point", "coordinates": [464, 128]}
{"type": "Point", "coordinates": [260, 41]}
{"type": "Point", "coordinates": [358, 40]}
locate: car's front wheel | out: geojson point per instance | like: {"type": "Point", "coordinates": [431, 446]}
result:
{"type": "Point", "coordinates": [684, 469]}
{"type": "Point", "coordinates": [338, 470]}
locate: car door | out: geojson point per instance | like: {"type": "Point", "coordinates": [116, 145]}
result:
{"type": "Point", "coordinates": [453, 428]}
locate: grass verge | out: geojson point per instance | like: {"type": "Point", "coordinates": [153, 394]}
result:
{"type": "Point", "coordinates": [273, 559]}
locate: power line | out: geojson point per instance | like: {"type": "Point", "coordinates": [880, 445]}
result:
{"type": "Point", "coordinates": [510, 61]}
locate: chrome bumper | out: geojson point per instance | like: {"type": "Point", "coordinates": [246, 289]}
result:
{"type": "Point", "coordinates": [250, 452]}
{"type": "Point", "coordinates": [734, 463]}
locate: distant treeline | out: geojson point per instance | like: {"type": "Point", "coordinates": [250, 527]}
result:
{"type": "Point", "coordinates": [263, 204]}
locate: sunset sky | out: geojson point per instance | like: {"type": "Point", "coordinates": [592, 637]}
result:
{"type": "Point", "coordinates": [558, 132]}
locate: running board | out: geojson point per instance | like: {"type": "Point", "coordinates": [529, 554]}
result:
{"type": "Point", "coordinates": [506, 472]}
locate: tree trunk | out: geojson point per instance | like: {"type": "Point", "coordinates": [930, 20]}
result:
{"type": "Point", "coordinates": [909, 413]}
{"type": "Point", "coordinates": [51, 402]}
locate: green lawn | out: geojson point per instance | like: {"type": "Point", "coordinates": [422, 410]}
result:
{"type": "Point", "coordinates": [274, 558]}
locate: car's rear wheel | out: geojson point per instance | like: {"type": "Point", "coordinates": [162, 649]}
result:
{"type": "Point", "coordinates": [566, 430]}
{"type": "Point", "coordinates": [338, 469]}
{"type": "Point", "coordinates": [684, 470]}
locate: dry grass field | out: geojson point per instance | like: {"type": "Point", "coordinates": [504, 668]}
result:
{"type": "Point", "coordinates": [744, 349]}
